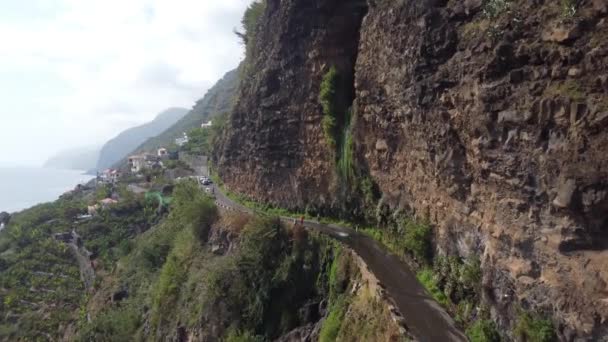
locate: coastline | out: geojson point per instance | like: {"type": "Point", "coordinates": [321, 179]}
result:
{"type": "Point", "coordinates": [24, 187]}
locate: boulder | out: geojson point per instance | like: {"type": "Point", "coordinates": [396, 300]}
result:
{"type": "Point", "coordinates": [575, 72]}
{"type": "Point", "coordinates": [511, 116]}
{"type": "Point", "coordinates": [561, 34]}
{"type": "Point", "coordinates": [381, 145]}
{"type": "Point", "coordinates": [600, 120]}
{"type": "Point", "coordinates": [600, 6]}
{"type": "Point", "coordinates": [564, 193]}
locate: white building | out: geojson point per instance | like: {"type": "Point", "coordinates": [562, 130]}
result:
{"type": "Point", "coordinates": [109, 176]}
{"type": "Point", "coordinates": [182, 141]}
{"type": "Point", "coordinates": [206, 124]}
{"type": "Point", "coordinates": [137, 163]}
{"type": "Point", "coordinates": [162, 152]}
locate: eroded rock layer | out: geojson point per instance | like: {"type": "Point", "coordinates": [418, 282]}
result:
{"type": "Point", "coordinates": [492, 125]}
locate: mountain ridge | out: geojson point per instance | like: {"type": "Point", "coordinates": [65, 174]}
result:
{"type": "Point", "coordinates": [125, 142]}
{"type": "Point", "coordinates": [79, 158]}
{"type": "Point", "coordinates": [217, 100]}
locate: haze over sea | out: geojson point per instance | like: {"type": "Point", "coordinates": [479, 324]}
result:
{"type": "Point", "coordinates": [23, 187]}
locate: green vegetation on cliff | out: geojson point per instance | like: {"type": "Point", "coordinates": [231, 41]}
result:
{"type": "Point", "coordinates": [327, 96]}
{"type": "Point", "coordinates": [233, 277]}
{"type": "Point", "coordinates": [217, 100]}
{"type": "Point", "coordinates": [201, 141]}
{"type": "Point", "coordinates": [534, 328]}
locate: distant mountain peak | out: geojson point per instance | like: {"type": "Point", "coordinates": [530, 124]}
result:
{"type": "Point", "coordinates": [120, 146]}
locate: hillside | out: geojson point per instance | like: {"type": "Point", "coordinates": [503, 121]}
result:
{"type": "Point", "coordinates": [382, 163]}
{"type": "Point", "coordinates": [218, 100]}
{"type": "Point", "coordinates": [197, 273]}
{"type": "Point", "coordinates": [75, 159]}
{"type": "Point", "coordinates": [485, 119]}
{"type": "Point", "coordinates": [127, 141]}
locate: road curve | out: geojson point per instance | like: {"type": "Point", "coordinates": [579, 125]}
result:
{"type": "Point", "coordinates": [424, 317]}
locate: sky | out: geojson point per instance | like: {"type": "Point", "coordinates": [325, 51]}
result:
{"type": "Point", "coordinates": [74, 73]}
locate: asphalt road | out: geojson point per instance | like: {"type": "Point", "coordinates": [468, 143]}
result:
{"type": "Point", "coordinates": [424, 317]}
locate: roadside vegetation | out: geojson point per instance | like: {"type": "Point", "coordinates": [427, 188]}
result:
{"type": "Point", "coordinates": [407, 239]}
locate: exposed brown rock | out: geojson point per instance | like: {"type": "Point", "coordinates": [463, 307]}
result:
{"type": "Point", "coordinates": [561, 34]}
{"type": "Point", "coordinates": [564, 193]}
{"type": "Point", "coordinates": [497, 136]}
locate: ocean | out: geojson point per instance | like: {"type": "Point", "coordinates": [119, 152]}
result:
{"type": "Point", "coordinates": [23, 187]}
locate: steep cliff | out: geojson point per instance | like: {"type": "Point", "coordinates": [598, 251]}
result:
{"type": "Point", "coordinates": [487, 118]}
{"type": "Point", "coordinates": [274, 149]}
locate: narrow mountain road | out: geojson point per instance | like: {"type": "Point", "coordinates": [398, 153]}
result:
{"type": "Point", "coordinates": [423, 316]}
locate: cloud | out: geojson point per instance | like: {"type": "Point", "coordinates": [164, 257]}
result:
{"type": "Point", "coordinates": [76, 72]}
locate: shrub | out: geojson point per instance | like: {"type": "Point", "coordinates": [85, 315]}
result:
{"type": "Point", "coordinates": [119, 324]}
{"type": "Point", "coordinates": [569, 8]}
{"type": "Point", "coordinates": [418, 240]}
{"type": "Point", "coordinates": [246, 336]}
{"type": "Point", "coordinates": [103, 191]}
{"type": "Point", "coordinates": [333, 322]}
{"type": "Point", "coordinates": [265, 279]}
{"type": "Point", "coordinates": [533, 328]}
{"type": "Point", "coordinates": [340, 274]}
{"type": "Point", "coordinates": [172, 276]}
{"type": "Point", "coordinates": [327, 96]}
{"type": "Point", "coordinates": [459, 279]}
{"type": "Point", "coordinates": [483, 330]}
{"type": "Point", "coordinates": [155, 254]}
{"type": "Point", "coordinates": [495, 8]}
{"type": "Point", "coordinates": [429, 280]}
{"type": "Point", "coordinates": [471, 273]}
{"type": "Point", "coordinates": [193, 208]}
{"type": "Point", "coordinates": [345, 161]}
{"type": "Point", "coordinates": [249, 23]}
{"type": "Point", "coordinates": [250, 20]}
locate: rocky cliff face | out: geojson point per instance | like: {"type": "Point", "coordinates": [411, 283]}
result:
{"type": "Point", "coordinates": [487, 118]}
{"type": "Point", "coordinates": [275, 149]}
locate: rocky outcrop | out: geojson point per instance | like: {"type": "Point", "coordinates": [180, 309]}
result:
{"type": "Point", "coordinates": [490, 125]}
{"type": "Point", "coordinates": [498, 138]}
{"type": "Point", "coordinates": [275, 149]}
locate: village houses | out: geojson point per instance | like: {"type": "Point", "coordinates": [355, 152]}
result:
{"type": "Point", "coordinates": [138, 163]}
{"type": "Point", "coordinates": [109, 176]}
{"type": "Point", "coordinates": [162, 153]}
{"type": "Point", "coordinates": [182, 140]}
